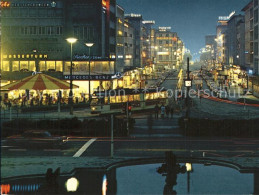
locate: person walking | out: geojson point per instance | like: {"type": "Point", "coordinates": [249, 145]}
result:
{"type": "Point", "coordinates": [156, 111]}
{"type": "Point", "coordinates": [172, 112]}
{"type": "Point", "coordinates": [162, 111]}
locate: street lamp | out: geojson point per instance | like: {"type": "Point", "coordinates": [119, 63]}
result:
{"type": "Point", "coordinates": [70, 99]}
{"type": "Point", "coordinates": [89, 45]}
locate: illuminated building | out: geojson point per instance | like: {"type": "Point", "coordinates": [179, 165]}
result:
{"type": "Point", "coordinates": [236, 41]}
{"type": "Point", "coordinates": [35, 32]}
{"type": "Point", "coordinates": [249, 35]}
{"type": "Point", "coordinates": [221, 39]}
{"type": "Point", "coordinates": [129, 46]}
{"type": "Point", "coordinates": [168, 48]}
{"type": "Point", "coordinates": [120, 37]}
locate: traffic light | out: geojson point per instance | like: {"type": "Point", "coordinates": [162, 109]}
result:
{"type": "Point", "coordinates": [129, 108]}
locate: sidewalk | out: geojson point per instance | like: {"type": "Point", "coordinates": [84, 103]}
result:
{"type": "Point", "coordinates": [20, 166]}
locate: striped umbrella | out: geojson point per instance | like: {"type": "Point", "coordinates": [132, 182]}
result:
{"type": "Point", "coordinates": [38, 82]}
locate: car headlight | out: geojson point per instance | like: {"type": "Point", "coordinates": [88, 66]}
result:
{"type": "Point", "coordinates": [93, 108]}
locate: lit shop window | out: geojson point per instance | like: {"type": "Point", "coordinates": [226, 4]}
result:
{"type": "Point", "coordinates": [6, 66]}
{"type": "Point", "coordinates": [15, 66]}
{"type": "Point", "coordinates": [59, 66]}
{"type": "Point", "coordinates": [24, 66]}
{"type": "Point", "coordinates": [32, 66]}
{"type": "Point", "coordinates": [42, 66]}
{"type": "Point", "coordinates": [50, 65]}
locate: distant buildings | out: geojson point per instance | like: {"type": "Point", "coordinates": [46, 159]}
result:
{"type": "Point", "coordinates": [34, 39]}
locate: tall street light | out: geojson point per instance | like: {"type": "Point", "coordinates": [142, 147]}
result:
{"type": "Point", "coordinates": [89, 45]}
{"type": "Point", "coordinates": [70, 99]}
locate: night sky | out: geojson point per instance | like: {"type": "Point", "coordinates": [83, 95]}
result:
{"type": "Point", "coordinates": [191, 19]}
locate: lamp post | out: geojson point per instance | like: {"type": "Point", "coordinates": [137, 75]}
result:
{"type": "Point", "coordinates": [70, 98]}
{"type": "Point", "coordinates": [89, 45]}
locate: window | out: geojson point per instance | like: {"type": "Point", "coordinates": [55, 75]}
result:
{"type": "Point", "coordinates": [42, 65]}
{"type": "Point", "coordinates": [42, 30]}
{"type": "Point", "coordinates": [33, 30]}
{"type": "Point", "coordinates": [24, 66]}
{"type": "Point", "coordinates": [256, 32]}
{"type": "Point", "coordinates": [255, 3]}
{"type": "Point", "coordinates": [15, 66]}
{"type": "Point", "coordinates": [59, 30]}
{"type": "Point", "coordinates": [32, 66]}
{"type": "Point", "coordinates": [6, 66]}
{"type": "Point", "coordinates": [50, 30]}
{"type": "Point", "coordinates": [256, 16]}
{"type": "Point", "coordinates": [59, 66]}
{"type": "Point", "coordinates": [50, 65]}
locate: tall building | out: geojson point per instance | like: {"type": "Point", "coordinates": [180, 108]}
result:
{"type": "Point", "coordinates": [249, 35]}
{"type": "Point", "coordinates": [35, 33]}
{"type": "Point", "coordinates": [136, 21]}
{"type": "Point", "coordinates": [129, 46]}
{"type": "Point", "coordinates": [236, 40]}
{"type": "Point", "coordinates": [146, 50]}
{"type": "Point", "coordinates": [120, 39]}
{"type": "Point", "coordinates": [256, 32]}
{"type": "Point", "coordinates": [221, 39]}
{"type": "Point", "coordinates": [166, 46]}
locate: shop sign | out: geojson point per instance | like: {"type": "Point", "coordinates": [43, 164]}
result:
{"type": "Point", "coordinates": [22, 56]}
{"type": "Point", "coordinates": [86, 77]}
{"type": "Point", "coordinates": [85, 57]}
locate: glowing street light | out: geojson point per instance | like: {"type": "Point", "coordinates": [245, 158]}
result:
{"type": "Point", "coordinates": [89, 45]}
{"type": "Point", "coordinates": [71, 40]}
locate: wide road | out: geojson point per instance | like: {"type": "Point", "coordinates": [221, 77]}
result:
{"type": "Point", "coordinates": [143, 142]}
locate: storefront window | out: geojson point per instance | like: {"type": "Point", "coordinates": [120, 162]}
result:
{"type": "Point", "coordinates": [67, 66]}
{"type": "Point", "coordinates": [6, 66]}
{"type": "Point", "coordinates": [32, 66]}
{"type": "Point", "coordinates": [136, 97]}
{"type": "Point", "coordinates": [50, 65]}
{"type": "Point", "coordinates": [112, 100]}
{"type": "Point", "coordinates": [124, 98]}
{"type": "Point", "coordinates": [42, 65]}
{"type": "Point", "coordinates": [131, 98]}
{"type": "Point", "coordinates": [24, 66]}
{"type": "Point", "coordinates": [59, 66]}
{"type": "Point", "coordinates": [15, 66]}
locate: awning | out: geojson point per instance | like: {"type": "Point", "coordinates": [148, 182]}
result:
{"type": "Point", "coordinates": [38, 82]}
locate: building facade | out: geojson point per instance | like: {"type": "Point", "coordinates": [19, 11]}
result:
{"type": "Point", "coordinates": [35, 34]}
{"type": "Point", "coordinates": [236, 40]}
{"type": "Point", "coordinates": [221, 40]}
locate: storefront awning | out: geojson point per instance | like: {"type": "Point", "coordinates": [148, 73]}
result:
{"type": "Point", "coordinates": [38, 82]}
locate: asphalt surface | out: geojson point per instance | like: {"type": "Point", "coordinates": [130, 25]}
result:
{"type": "Point", "coordinates": [165, 135]}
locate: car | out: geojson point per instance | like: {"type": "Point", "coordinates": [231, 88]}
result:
{"type": "Point", "coordinates": [38, 139]}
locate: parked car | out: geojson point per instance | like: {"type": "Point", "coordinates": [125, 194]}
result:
{"type": "Point", "coordinates": [39, 139]}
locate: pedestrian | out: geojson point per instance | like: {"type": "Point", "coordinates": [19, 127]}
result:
{"type": "Point", "coordinates": [172, 111]}
{"type": "Point", "coordinates": [156, 111]}
{"type": "Point", "coordinates": [162, 111]}
{"type": "Point", "coordinates": [167, 111]}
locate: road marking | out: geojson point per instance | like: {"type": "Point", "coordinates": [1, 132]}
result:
{"type": "Point", "coordinates": [84, 148]}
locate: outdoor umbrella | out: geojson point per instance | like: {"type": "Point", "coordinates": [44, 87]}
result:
{"type": "Point", "coordinates": [38, 82]}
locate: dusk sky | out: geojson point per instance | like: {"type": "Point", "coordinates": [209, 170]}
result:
{"type": "Point", "coordinates": [191, 19]}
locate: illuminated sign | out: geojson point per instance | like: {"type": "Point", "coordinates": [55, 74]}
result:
{"type": "Point", "coordinates": [162, 53]}
{"type": "Point", "coordinates": [86, 77]}
{"type": "Point", "coordinates": [134, 15]}
{"type": "Point", "coordinates": [149, 22]}
{"type": "Point", "coordinates": [165, 28]}
{"type": "Point", "coordinates": [225, 18]}
{"type": "Point", "coordinates": [5, 4]}
{"type": "Point", "coordinates": [22, 56]}
{"type": "Point", "coordinates": [85, 57]}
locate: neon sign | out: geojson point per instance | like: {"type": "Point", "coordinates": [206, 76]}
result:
{"type": "Point", "coordinates": [5, 4]}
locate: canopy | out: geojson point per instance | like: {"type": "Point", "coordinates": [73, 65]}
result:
{"type": "Point", "coordinates": [38, 82]}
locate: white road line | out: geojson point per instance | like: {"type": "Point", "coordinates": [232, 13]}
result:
{"type": "Point", "coordinates": [84, 148]}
